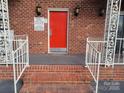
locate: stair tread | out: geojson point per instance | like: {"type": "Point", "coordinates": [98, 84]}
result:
{"type": "Point", "coordinates": [56, 88]}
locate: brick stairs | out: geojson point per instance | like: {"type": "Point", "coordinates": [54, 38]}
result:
{"type": "Point", "coordinates": [44, 78]}
{"type": "Point", "coordinates": [56, 74]}
{"type": "Point", "coordinates": [56, 79]}
{"type": "Point", "coordinates": [70, 78]}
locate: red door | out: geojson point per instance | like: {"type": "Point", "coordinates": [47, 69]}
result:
{"type": "Point", "coordinates": [58, 31]}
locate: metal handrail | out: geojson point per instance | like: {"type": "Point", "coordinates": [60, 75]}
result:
{"type": "Point", "coordinates": [93, 61]}
{"type": "Point", "coordinates": [20, 57]}
{"type": "Point", "coordinates": [93, 47]}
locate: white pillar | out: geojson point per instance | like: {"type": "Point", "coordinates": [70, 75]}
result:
{"type": "Point", "coordinates": [111, 29]}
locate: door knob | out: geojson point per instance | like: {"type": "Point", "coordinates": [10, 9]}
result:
{"type": "Point", "coordinates": [50, 32]}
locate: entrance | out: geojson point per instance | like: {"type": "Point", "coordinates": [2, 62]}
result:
{"type": "Point", "coordinates": [58, 21]}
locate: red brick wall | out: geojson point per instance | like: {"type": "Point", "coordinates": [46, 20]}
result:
{"type": "Point", "coordinates": [88, 23]}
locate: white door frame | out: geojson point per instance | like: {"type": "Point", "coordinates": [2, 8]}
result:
{"type": "Point", "coordinates": [57, 9]}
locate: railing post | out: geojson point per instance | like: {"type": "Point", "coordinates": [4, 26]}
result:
{"type": "Point", "coordinates": [87, 48]}
{"type": "Point", "coordinates": [14, 72]}
{"type": "Point", "coordinates": [27, 43]}
{"type": "Point", "coordinates": [98, 73]}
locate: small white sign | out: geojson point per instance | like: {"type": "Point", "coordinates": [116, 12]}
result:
{"type": "Point", "coordinates": [45, 20]}
{"type": "Point", "coordinates": [39, 23]}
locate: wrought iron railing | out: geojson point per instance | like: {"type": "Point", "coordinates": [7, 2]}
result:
{"type": "Point", "coordinates": [93, 59]}
{"type": "Point", "coordinates": [95, 56]}
{"type": "Point", "coordinates": [100, 45]}
{"type": "Point", "coordinates": [20, 57]}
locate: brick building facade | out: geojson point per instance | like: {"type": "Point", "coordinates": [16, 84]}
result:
{"type": "Point", "coordinates": [87, 24]}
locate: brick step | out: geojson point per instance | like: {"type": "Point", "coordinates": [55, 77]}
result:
{"type": "Point", "coordinates": [71, 68]}
{"type": "Point", "coordinates": [56, 68]}
{"type": "Point", "coordinates": [56, 74]}
{"type": "Point", "coordinates": [57, 77]}
{"type": "Point", "coordinates": [67, 73]}
{"type": "Point", "coordinates": [56, 88]}
{"type": "Point", "coordinates": [105, 73]}
{"type": "Point", "coordinates": [61, 68]}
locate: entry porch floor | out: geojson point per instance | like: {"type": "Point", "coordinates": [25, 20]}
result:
{"type": "Point", "coordinates": [57, 59]}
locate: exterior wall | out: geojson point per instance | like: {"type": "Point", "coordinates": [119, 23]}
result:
{"type": "Point", "coordinates": [87, 24]}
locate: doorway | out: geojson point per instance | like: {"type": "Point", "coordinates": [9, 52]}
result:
{"type": "Point", "coordinates": [58, 30]}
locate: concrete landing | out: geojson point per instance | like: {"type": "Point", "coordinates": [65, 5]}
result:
{"type": "Point", "coordinates": [57, 59]}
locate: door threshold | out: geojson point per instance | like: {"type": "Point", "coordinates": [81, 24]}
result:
{"type": "Point", "coordinates": [54, 52]}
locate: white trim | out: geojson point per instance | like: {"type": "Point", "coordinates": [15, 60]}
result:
{"type": "Point", "coordinates": [57, 9]}
{"type": "Point", "coordinates": [48, 31]}
{"type": "Point", "coordinates": [68, 31]}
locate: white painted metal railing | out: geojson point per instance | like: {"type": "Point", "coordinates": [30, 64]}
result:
{"type": "Point", "coordinates": [95, 56]}
{"type": "Point", "coordinates": [20, 57]}
{"type": "Point", "coordinates": [93, 59]}
{"type": "Point", "coordinates": [100, 45]}
{"type": "Point", "coordinates": [13, 49]}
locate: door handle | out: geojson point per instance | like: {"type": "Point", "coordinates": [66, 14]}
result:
{"type": "Point", "coordinates": [50, 32]}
